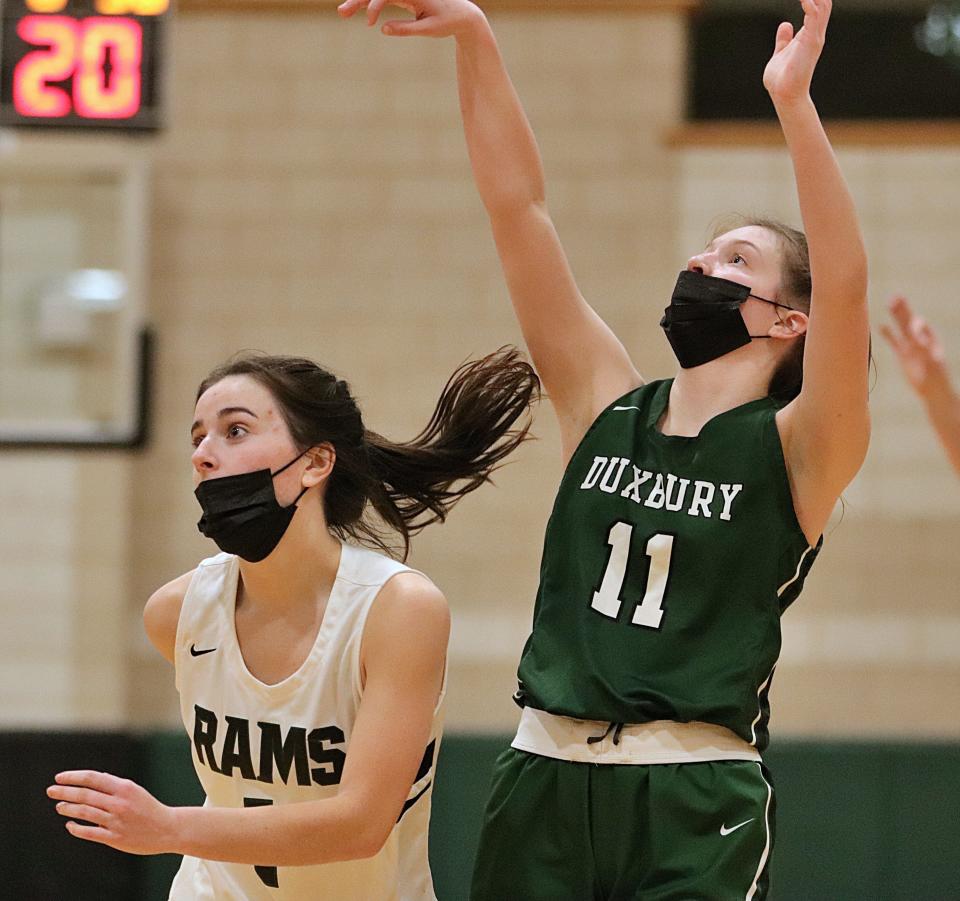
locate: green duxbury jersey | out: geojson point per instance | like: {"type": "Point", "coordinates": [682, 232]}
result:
{"type": "Point", "coordinates": [667, 563]}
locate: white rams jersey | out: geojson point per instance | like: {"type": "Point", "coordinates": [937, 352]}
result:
{"type": "Point", "coordinates": [256, 744]}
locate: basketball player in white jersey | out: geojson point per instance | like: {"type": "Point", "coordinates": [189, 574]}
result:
{"type": "Point", "coordinates": [310, 669]}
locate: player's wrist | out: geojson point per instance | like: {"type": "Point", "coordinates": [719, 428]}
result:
{"type": "Point", "coordinates": [792, 105]}
{"type": "Point", "coordinates": [937, 388]}
{"type": "Point", "coordinates": [472, 26]}
{"type": "Point", "coordinates": [179, 829]}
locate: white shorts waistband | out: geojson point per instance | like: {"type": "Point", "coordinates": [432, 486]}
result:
{"type": "Point", "coordinates": [661, 741]}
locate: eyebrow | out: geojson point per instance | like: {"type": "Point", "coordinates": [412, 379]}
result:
{"type": "Point", "coordinates": [226, 411]}
{"type": "Point", "coordinates": [736, 243]}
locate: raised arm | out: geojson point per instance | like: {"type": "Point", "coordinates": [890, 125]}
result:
{"type": "Point", "coordinates": [581, 362]}
{"type": "Point", "coordinates": [403, 658]}
{"type": "Point", "coordinates": [825, 431]}
{"type": "Point", "coordinates": [924, 364]}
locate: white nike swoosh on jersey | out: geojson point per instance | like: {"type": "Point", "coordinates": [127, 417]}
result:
{"type": "Point", "coordinates": [615, 409]}
{"type": "Point", "coordinates": [725, 831]}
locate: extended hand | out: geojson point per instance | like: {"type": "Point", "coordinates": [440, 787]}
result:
{"type": "Point", "coordinates": [918, 349]}
{"type": "Point", "coordinates": [788, 75]}
{"type": "Point", "coordinates": [124, 815]}
{"type": "Point", "coordinates": [433, 18]}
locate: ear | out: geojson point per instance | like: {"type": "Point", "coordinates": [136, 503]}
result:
{"type": "Point", "coordinates": [792, 324]}
{"type": "Point", "coordinates": [320, 462]}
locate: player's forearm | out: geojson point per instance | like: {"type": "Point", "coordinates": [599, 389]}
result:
{"type": "Point", "coordinates": [503, 151]}
{"type": "Point", "coordinates": [943, 411]}
{"type": "Point", "coordinates": [311, 832]}
{"type": "Point", "coordinates": [837, 256]}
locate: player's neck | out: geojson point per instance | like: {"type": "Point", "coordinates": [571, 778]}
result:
{"type": "Point", "coordinates": [302, 568]}
{"type": "Point", "coordinates": [699, 394]}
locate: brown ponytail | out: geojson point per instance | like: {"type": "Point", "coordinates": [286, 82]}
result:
{"type": "Point", "coordinates": [407, 485]}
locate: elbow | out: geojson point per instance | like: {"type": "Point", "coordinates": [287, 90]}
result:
{"type": "Point", "coordinates": [366, 830]}
{"type": "Point", "coordinates": [370, 837]}
{"type": "Point", "coordinates": [343, 830]}
{"type": "Point", "coordinates": [511, 221]}
{"type": "Point", "coordinates": [506, 204]}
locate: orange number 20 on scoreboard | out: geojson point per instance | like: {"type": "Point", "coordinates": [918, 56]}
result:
{"type": "Point", "coordinates": [103, 56]}
{"type": "Point", "coordinates": [82, 63]}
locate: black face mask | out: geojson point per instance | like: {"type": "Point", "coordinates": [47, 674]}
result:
{"type": "Point", "coordinates": [703, 321]}
{"type": "Point", "coordinates": [241, 513]}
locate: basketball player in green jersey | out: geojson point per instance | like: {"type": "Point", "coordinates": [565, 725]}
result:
{"type": "Point", "coordinates": [688, 516]}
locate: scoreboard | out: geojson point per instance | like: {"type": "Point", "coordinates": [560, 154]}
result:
{"type": "Point", "coordinates": [82, 63]}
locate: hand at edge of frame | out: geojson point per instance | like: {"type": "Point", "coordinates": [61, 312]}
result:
{"type": "Point", "coordinates": [789, 72]}
{"type": "Point", "coordinates": [918, 348]}
{"type": "Point", "coordinates": [432, 18]}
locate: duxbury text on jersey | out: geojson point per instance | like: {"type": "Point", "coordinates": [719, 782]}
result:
{"type": "Point", "coordinates": [661, 490]}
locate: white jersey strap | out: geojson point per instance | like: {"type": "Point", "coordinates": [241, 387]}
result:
{"type": "Point", "coordinates": [595, 741]}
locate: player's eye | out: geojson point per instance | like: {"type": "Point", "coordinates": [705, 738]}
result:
{"type": "Point", "coordinates": [737, 258]}
{"type": "Point", "coordinates": [236, 431]}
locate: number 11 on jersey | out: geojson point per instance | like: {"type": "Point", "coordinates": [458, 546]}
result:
{"type": "Point", "coordinates": [607, 599]}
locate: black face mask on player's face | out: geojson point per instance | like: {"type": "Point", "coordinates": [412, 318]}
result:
{"type": "Point", "coordinates": [703, 321]}
{"type": "Point", "coordinates": [241, 513]}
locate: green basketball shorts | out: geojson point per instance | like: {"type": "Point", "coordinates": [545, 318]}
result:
{"type": "Point", "coordinates": [562, 831]}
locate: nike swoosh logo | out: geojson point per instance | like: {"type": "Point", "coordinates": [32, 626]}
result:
{"type": "Point", "coordinates": [725, 831]}
{"type": "Point", "coordinates": [195, 653]}
{"type": "Point", "coordinates": [620, 409]}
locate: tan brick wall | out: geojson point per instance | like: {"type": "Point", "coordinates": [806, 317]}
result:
{"type": "Point", "coordinates": [312, 195]}
{"type": "Point", "coordinates": [330, 211]}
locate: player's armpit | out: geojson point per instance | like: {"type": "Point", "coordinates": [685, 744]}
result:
{"type": "Point", "coordinates": [162, 614]}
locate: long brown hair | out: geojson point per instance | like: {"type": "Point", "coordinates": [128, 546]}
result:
{"type": "Point", "coordinates": [483, 414]}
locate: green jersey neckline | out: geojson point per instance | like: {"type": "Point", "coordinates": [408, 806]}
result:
{"type": "Point", "coordinates": [659, 404]}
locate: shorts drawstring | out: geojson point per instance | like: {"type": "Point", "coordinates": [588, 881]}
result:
{"type": "Point", "coordinates": [615, 728]}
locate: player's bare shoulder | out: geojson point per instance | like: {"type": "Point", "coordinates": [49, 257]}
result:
{"type": "Point", "coordinates": [162, 613]}
{"type": "Point", "coordinates": [409, 611]}
{"type": "Point", "coordinates": [411, 596]}
{"type": "Point", "coordinates": [407, 633]}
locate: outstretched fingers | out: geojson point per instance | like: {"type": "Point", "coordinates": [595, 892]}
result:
{"type": "Point", "coordinates": [85, 795]}
{"type": "Point", "coordinates": [892, 338]}
{"type": "Point", "coordinates": [784, 37]}
{"type": "Point", "coordinates": [816, 14]}
{"type": "Point", "coordinates": [409, 27]}
{"type": "Point", "coordinates": [105, 808]}
{"type": "Point", "coordinates": [374, 8]}
{"type": "Point", "coordinates": [903, 316]}
{"type": "Point", "coordinates": [84, 788]}
{"type": "Point", "coordinates": [92, 833]}
{"type": "Point", "coordinates": [89, 814]}
{"type": "Point", "coordinates": [913, 332]}
{"type": "Point", "coordinates": [349, 7]}
{"type": "Point", "coordinates": [101, 782]}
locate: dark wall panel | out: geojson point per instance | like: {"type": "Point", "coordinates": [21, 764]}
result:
{"type": "Point", "coordinates": [39, 859]}
{"type": "Point", "coordinates": [872, 68]}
